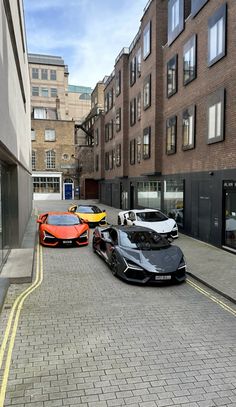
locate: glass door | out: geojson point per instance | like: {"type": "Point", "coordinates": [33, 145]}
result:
{"type": "Point", "coordinates": [230, 219]}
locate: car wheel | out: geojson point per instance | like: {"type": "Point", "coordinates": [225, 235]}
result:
{"type": "Point", "coordinates": [119, 220]}
{"type": "Point", "coordinates": [114, 264]}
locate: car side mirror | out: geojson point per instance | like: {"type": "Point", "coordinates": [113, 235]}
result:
{"type": "Point", "coordinates": [104, 210]}
{"type": "Point", "coordinates": [39, 221]}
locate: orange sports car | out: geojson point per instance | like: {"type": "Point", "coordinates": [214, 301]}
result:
{"type": "Point", "coordinates": [62, 229]}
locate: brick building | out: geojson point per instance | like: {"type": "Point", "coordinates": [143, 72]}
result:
{"type": "Point", "coordinates": [170, 119]}
{"type": "Point", "coordinates": [57, 110]}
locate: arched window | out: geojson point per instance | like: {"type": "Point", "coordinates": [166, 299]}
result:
{"type": "Point", "coordinates": [50, 159]}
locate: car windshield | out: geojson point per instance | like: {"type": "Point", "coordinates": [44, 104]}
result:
{"type": "Point", "coordinates": [88, 209]}
{"type": "Point", "coordinates": [143, 240]}
{"type": "Point", "coordinates": [151, 216]}
{"type": "Point", "coordinates": [63, 220]}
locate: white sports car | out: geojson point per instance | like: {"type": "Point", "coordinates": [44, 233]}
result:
{"type": "Point", "coordinates": [150, 218]}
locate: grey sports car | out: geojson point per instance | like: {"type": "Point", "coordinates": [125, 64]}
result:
{"type": "Point", "coordinates": [139, 254]}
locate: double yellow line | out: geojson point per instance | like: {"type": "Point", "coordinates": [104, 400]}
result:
{"type": "Point", "coordinates": [12, 324]}
{"type": "Point", "coordinates": [211, 297]}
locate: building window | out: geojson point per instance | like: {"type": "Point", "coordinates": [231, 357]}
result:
{"type": "Point", "coordinates": [97, 162]}
{"type": "Point", "coordinates": [50, 160]}
{"type": "Point", "coordinates": [50, 135]}
{"type": "Point", "coordinates": [171, 135]}
{"type": "Point", "coordinates": [111, 130]}
{"type": "Point", "coordinates": [35, 73]}
{"type": "Point", "coordinates": [189, 62]}
{"type": "Point", "coordinates": [44, 92]}
{"type": "Point", "coordinates": [110, 99]}
{"type": "Point", "coordinates": [132, 112]}
{"type": "Point", "coordinates": [111, 159]}
{"type": "Point", "coordinates": [146, 143]}
{"type": "Point", "coordinates": [118, 155]}
{"type": "Point", "coordinates": [132, 151]}
{"type": "Point", "coordinates": [118, 119]}
{"type": "Point", "coordinates": [35, 91]}
{"type": "Point", "coordinates": [189, 128]}
{"type": "Point", "coordinates": [53, 92]}
{"type": "Point", "coordinates": [139, 150]}
{"type": "Point", "coordinates": [106, 161]}
{"type": "Point", "coordinates": [216, 35]}
{"type": "Point", "coordinates": [106, 100]}
{"type": "Point", "coordinates": [216, 104]}
{"type": "Point", "coordinates": [97, 137]}
{"type": "Point", "coordinates": [33, 135]}
{"type": "Point", "coordinates": [118, 83]}
{"type": "Point", "coordinates": [147, 92]}
{"type": "Point", "coordinates": [44, 74]}
{"type": "Point", "coordinates": [174, 200]}
{"type": "Point", "coordinates": [149, 194]}
{"type": "Point", "coordinates": [139, 108]}
{"type": "Point", "coordinates": [46, 184]}
{"type": "Point", "coordinates": [138, 62]}
{"type": "Point", "coordinates": [33, 160]}
{"type": "Point", "coordinates": [39, 113]}
{"type": "Point", "coordinates": [172, 76]}
{"type": "Point", "coordinates": [147, 40]}
{"type": "Point", "coordinates": [53, 74]}
{"type": "Point", "coordinates": [106, 132]}
{"type": "Point", "coordinates": [196, 6]}
{"type": "Point", "coordinates": [132, 76]}
{"type": "Point", "coordinates": [175, 19]}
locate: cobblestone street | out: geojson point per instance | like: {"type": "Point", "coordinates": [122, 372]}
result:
{"type": "Point", "coordinates": [85, 338]}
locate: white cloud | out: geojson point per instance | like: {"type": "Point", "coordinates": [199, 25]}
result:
{"type": "Point", "coordinates": [90, 37]}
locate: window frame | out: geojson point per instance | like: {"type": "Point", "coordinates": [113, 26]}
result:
{"type": "Point", "coordinates": [35, 91]}
{"type": "Point", "coordinates": [44, 74]}
{"type": "Point", "coordinates": [50, 160]}
{"type": "Point", "coordinates": [53, 74]}
{"type": "Point", "coordinates": [191, 43]}
{"type": "Point", "coordinates": [174, 33]}
{"type": "Point", "coordinates": [132, 71]}
{"type": "Point", "coordinates": [147, 150]}
{"type": "Point", "coordinates": [35, 73]}
{"type": "Point", "coordinates": [196, 6]}
{"type": "Point", "coordinates": [190, 112]}
{"type": "Point", "coordinates": [147, 88]}
{"type": "Point", "coordinates": [213, 21]}
{"type": "Point", "coordinates": [171, 123]}
{"type": "Point", "coordinates": [49, 138]}
{"type": "Point", "coordinates": [132, 112]}
{"type": "Point", "coordinates": [147, 35]}
{"type": "Point", "coordinates": [118, 83]}
{"type": "Point", "coordinates": [213, 100]}
{"type": "Point", "coordinates": [138, 62]}
{"type": "Point", "coordinates": [174, 62]}
{"type": "Point", "coordinates": [132, 151]}
{"type": "Point", "coordinates": [118, 119]}
{"type": "Point", "coordinates": [118, 155]}
{"type": "Point", "coordinates": [33, 160]}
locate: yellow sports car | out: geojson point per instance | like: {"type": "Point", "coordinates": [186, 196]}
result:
{"type": "Point", "coordinates": [90, 214]}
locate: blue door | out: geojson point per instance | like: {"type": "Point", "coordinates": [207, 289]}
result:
{"type": "Point", "coordinates": [68, 191]}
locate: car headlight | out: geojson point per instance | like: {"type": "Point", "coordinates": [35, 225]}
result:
{"type": "Point", "coordinates": [182, 264]}
{"type": "Point", "coordinates": [47, 235]}
{"type": "Point", "coordinates": [175, 226]}
{"type": "Point", "coordinates": [132, 265]}
{"type": "Point", "coordinates": [85, 234]}
{"type": "Point", "coordinates": [103, 220]}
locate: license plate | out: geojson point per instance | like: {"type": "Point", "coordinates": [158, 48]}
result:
{"type": "Point", "coordinates": [162, 277]}
{"type": "Point", "coordinates": [67, 241]}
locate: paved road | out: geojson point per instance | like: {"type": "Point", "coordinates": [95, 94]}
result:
{"type": "Point", "coordinates": [85, 338]}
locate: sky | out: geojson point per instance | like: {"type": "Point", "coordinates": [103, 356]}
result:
{"type": "Point", "coordinates": [87, 34]}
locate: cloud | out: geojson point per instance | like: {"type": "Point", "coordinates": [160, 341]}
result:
{"type": "Point", "coordinates": [88, 34]}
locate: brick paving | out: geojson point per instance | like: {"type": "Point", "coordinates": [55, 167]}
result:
{"type": "Point", "coordinates": [85, 338]}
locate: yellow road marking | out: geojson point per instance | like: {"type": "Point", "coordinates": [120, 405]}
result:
{"type": "Point", "coordinates": [17, 306]}
{"type": "Point", "coordinates": [211, 297]}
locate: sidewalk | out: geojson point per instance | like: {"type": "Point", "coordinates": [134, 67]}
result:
{"type": "Point", "coordinates": [211, 266]}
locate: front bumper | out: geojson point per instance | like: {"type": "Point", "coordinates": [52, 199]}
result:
{"type": "Point", "coordinates": [146, 277]}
